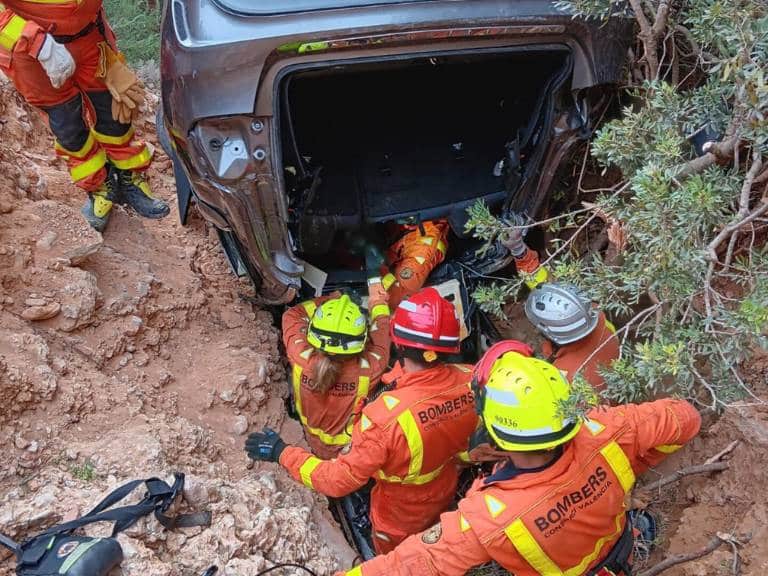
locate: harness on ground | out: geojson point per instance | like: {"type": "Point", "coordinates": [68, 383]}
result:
{"type": "Point", "coordinates": [59, 552]}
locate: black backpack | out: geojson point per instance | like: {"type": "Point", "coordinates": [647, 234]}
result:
{"type": "Point", "coordinates": [59, 552]}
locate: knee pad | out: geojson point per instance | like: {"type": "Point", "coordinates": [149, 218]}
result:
{"type": "Point", "coordinates": [67, 123]}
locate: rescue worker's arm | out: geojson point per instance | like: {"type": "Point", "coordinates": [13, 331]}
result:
{"type": "Point", "coordinates": [659, 428]}
{"type": "Point", "coordinates": [18, 35]}
{"type": "Point", "coordinates": [343, 475]}
{"type": "Point", "coordinates": [378, 347]}
{"type": "Point", "coordinates": [526, 260]}
{"type": "Point", "coordinates": [450, 550]}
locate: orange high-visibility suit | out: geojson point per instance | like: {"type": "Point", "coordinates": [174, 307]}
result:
{"type": "Point", "coordinates": [598, 350]}
{"type": "Point", "coordinates": [412, 259]}
{"type": "Point", "coordinates": [326, 417]}
{"type": "Point", "coordinates": [406, 440]}
{"type": "Point", "coordinates": [564, 519]}
{"type": "Point", "coordinates": [80, 112]}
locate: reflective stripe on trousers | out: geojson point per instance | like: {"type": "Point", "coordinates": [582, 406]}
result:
{"type": "Point", "coordinates": [528, 546]}
{"type": "Point", "coordinates": [410, 430]}
{"type": "Point", "coordinates": [342, 439]}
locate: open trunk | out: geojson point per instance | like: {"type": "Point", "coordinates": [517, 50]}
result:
{"type": "Point", "coordinates": [425, 137]}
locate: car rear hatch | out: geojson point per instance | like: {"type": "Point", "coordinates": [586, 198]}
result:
{"type": "Point", "coordinates": [420, 137]}
{"type": "Point", "coordinates": [263, 8]}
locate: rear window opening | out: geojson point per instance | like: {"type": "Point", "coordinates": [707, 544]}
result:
{"type": "Point", "coordinates": [367, 145]}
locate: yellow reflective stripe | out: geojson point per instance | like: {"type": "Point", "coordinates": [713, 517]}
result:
{"type": "Point", "coordinates": [379, 310]}
{"type": "Point", "coordinates": [75, 2]}
{"type": "Point", "coordinates": [342, 439]}
{"type": "Point", "coordinates": [610, 326]}
{"type": "Point", "coordinates": [540, 276]}
{"type": "Point", "coordinates": [529, 549]}
{"type": "Point", "coordinates": [114, 140]}
{"type": "Point", "coordinates": [415, 444]}
{"type": "Point", "coordinates": [388, 280]}
{"type": "Point", "coordinates": [464, 457]}
{"type": "Point", "coordinates": [307, 469]}
{"type": "Point", "coordinates": [410, 429]}
{"type": "Point", "coordinates": [620, 465]}
{"type": "Point", "coordinates": [420, 259]}
{"type": "Point", "coordinates": [89, 167]}
{"type": "Point", "coordinates": [310, 307]}
{"type": "Point", "coordinates": [463, 524]}
{"type": "Point", "coordinates": [668, 448]}
{"type": "Point", "coordinates": [141, 159]}
{"type": "Point", "coordinates": [356, 571]}
{"type": "Point", "coordinates": [82, 153]}
{"type": "Point", "coordinates": [11, 32]}
{"type": "Point", "coordinates": [442, 247]}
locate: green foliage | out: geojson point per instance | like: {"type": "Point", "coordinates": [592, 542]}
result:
{"type": "Point", "coordinates": [137, 27]}
{"type": "Point", "coordinates": [690, 308]}
{"type": "Point", "coordinates": [85, 472]}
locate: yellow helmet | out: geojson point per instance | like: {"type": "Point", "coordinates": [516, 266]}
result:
{"type": "Point", "coordinates": [520, 404]}
{"type": "Point", "coordinates": [338, 326]}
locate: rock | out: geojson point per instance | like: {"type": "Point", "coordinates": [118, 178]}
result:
{"type": "Point", "coordinates": [33, 446]}
{"type": "Point", "coordinates": [240, 427]}
{"type": "Point", "coordinates": [20, 442]}
{"type": "Point", "coordinates": [71, 453]}
{"type": "Point", "coordinates": [59, 366]}
{"type": "Point", "coordinates": [196, 492]}
{"type": "Point", "coordinates": [47, 240]}
{"type": "Point", "coordinates": [82, 253]}
{"type": "Point", "coordinates": [165, 378]}
{"type": "Point", "coordinates": [227, 395]}
{"type": "Point", "coordinates": [35, 302]}
{"type": "Point", "coordinates": [134, 325]}
{"type": "Point", "coordinates": [38, 313]}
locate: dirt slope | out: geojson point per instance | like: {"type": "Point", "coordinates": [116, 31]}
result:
{"type": "Point", "coordinates": [134, 355]}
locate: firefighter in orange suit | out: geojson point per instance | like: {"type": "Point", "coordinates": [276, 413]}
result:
{"type": "Point", "coordinates": [413, 257]}
{"type": "Point", "coordinates": [407, 438]}
{"type": "Point", "coordinates": [556, 503]}
{"type": "Point", "coordinates": [579, 338]}
{"type": "Point", "coordinates": [336, 361]}
{"type": "Point", "coordinates": [62, 57]}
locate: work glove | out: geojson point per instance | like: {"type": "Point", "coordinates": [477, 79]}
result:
{"type": "Point", "coordinates": [56, 61]}
{"type": "Point", "coordinates": [376, 292]}
{"type": "Point", "coordinates": [513, 238]}
{"type": "Point", "coordinates": [265, 445]}
{"type": "Point", "coordinates": [127, 90]}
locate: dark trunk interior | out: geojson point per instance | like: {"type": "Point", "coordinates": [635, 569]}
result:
{"type": "Point", "coordinates": [404, 137]}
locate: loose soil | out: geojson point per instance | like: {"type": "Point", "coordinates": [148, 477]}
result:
{"type": "Point", "coordinates": [139, 353]}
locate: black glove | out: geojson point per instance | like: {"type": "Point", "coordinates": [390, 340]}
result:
{"type": "Point", "coordinates": [265, 445]}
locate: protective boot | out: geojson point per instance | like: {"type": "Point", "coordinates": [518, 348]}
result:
{"type": "Point", "coordinates": [99, 204]}
{"type": "Point", "coordinates": [136, 193]}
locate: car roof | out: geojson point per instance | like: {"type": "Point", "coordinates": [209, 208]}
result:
{"type": "Point", "coordinates": [272, 7]}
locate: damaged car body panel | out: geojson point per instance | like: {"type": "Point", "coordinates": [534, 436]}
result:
{"type": "Point", "coordinates": [240, 82]}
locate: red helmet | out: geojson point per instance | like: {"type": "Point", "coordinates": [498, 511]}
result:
{"type": "Point", "coordinates": [426, 321]}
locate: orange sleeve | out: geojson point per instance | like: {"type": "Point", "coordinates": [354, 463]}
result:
{"type": "Point", "coordinates": [660, 428]}
{"type": "Point", "coordinates": [378, 347]}
{"type": "Point", "coordinates": [343, 475]}
{"type": "Point", "coordinates": [18, 35]}
{"type": "Point", "coordinates": [454, 552]}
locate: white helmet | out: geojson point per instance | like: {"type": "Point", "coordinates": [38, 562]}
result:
{"type": "Point", "coordinates": [561, 312]}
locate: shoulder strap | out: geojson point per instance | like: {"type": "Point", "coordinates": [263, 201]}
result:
{"type": "Point", "coordinates": [158, 498]}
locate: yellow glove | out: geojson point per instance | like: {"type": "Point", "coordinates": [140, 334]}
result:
{"type": "Point", "coordinates": [127, 91]}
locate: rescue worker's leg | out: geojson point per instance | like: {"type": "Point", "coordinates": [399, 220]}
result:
{"type": "Point", "coordinates": [129, 155]}
{"type": "Point", "coordinates": [86, 159]}
{"type": "Point", "coordinates": [64, 108]}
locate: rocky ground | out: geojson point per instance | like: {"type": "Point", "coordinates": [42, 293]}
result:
{"type": "Point", "coordinates": [138, 353]}
{"type": "Point", "coordinates": [134, 355]}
